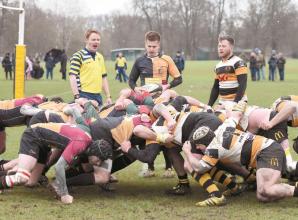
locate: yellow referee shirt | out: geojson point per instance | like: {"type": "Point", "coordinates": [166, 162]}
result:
{"type": "Point", "coordinates": [89, 70]}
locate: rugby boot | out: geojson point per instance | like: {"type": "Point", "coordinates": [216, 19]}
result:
{"type": "Point", "coordinates": [212, 201]}
{"type": "Point", "coordinates": [180, 189]}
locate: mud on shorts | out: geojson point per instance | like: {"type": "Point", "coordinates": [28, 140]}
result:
{"type": "Point", "coordinates": [272, 157]}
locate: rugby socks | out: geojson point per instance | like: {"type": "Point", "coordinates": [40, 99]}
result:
{"type": "Point", "coordinates": [291, 164]}
{"type": "Point", "coordinates": [206, 182]}
{"type": "Point", "coordinates": [3, 184]}
{"type": "Point", "coordinates": [8, 181]}
{"type": "Point", "coordinates": [183, 180]}
{"type": "Point", "coordinates": [85, 179]}
{"type": "Point", "coordinates": [220, 177]}
{"type": "Point", "coordinates": [167, 160]}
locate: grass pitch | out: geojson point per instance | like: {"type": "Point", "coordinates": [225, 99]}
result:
{"type": "Point", "coordinates": [137, 197]}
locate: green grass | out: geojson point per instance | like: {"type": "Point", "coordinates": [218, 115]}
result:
{"type": "Point", "coordinates": [137, 197]}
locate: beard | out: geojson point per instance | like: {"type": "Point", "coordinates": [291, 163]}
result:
{"type": "Point", "coordinates": [225, 55]}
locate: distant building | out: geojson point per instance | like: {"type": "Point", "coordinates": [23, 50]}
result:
{"type": "Point", "coordinates": [128, 53]}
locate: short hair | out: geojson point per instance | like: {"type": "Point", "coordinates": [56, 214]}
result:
{"type": "Point", "coordinates": [152, 36]}
{"type": "Point", "coordinates": [227, 38]}
{"type": "Point", "coordinates": [89, 32]}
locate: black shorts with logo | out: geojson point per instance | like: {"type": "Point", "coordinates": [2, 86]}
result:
{"type": "Point", "coordinates": [272, 157]}
{"type": "Point", "coordinates": [279, 132]}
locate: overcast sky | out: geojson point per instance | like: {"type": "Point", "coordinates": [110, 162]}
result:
{"type": "Point", "coordinates": [96, 7]}
{"type": "Point", "coordinates": [86, 7]}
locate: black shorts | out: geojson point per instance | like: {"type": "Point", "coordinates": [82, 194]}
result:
{"type": "Point", "coordinates": [33, 146]}
{"type": "Point", "coordinates": [12, 117]}
{"type": "Point", "coordinates": [272, 157]}
{"type": "Point", "coordinates": [279, 132]}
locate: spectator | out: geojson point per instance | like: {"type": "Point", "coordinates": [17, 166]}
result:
{"type": "Point", "coordinates": [179, 61]}
{"type": "Point", "coordinates": [120, 67]}
{"type": "Point", "coordinates": [253, 66]}
{"type": "Point", "coordinates": [261, 63]}
{"type": "Point", "coordinates": [281, 61]}
{"type": "Point", "coordinates": [63, 63]}
{"type": "Point", "coordinates": [272, 62]}
{"type": "Point", "coordinates": [7, 66]}
{"type": "Point", "coordinates": [50, 64]}
{"type": "Point", "coordinates": [28, 68]}
{"type": "Point", "coordinates": [37, 71]}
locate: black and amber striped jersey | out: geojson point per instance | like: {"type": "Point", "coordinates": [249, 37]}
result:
{"type": "Point", "coordinates": [116, 130]}
{"type": "Point", "coordinates": [231, 145]}
{"type": "Point", "coordinates": [226, 73]}
{"type": "Point", "coordinates": [154, 70]}
{"type": "Point", "coordinates": [280, 103]}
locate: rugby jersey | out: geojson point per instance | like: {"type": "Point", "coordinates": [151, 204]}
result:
{"type": "Point", "coordinates": [226, 74]}
{"type": "Point", "coordinates": [231, 145]}
{"type": "Point", "coordinates": [11, 104]}
{"type": "Point", "coordinates": [89, 70]}
{"type": "Point", "coordinates": [70, 138]}
{"type": "Point", "coordinates": [154, 70]}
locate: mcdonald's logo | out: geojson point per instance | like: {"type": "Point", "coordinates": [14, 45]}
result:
{"type": "Point", "coordinates": [274, 162]}
{"type": "Point", "coordinates": [278, 135]}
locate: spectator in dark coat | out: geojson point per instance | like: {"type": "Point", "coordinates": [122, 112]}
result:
{"type": "Point", "coordinates": [63, 63]}
{"type": "Point", "coordinates": [179, 61]}
{"type": "Point", "coordinates": [7, 66]}
{"type": "Point", "coordinates": [253, 66]}
{"type": "Point", "coordinates": [50, 64]}
{"type": "Point", "coordinates": [272, 65]}
{"type": "Point", "coordinates": [281, 61]}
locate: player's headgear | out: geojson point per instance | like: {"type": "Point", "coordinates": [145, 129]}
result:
{"type": "Point", "coordinates": [101, 149]}
{"type": "Point", "coordinates": [203, 135]}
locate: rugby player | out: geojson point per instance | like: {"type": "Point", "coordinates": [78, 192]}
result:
{"type": "Point", "coordinates": [229, 145]}
{"type": "Point", "coordinates": [231, 76]}
{"type": "Point", "coordinates": [37, 140]}
{"type": "Point", "coordinates": [10, 115]}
